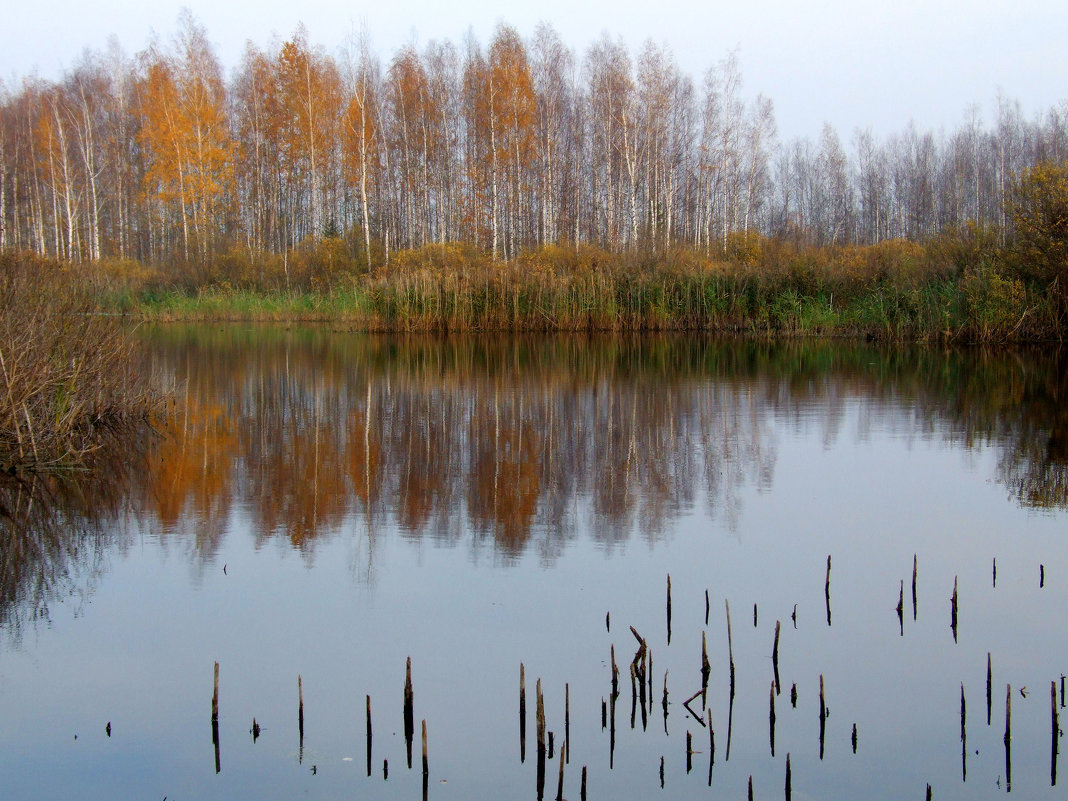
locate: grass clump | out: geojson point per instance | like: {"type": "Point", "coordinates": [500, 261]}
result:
{"type": "Point", "coordinates": [69, 376]}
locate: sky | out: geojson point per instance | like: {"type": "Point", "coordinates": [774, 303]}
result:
{"type": "Point", "coordinates": [854, 65]}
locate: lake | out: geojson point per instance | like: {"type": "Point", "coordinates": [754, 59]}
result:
{"type": "Point", "coordinates": [320, 507]}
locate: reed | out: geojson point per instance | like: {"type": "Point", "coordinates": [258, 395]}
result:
{"type": "Point", "coordinates": [894, 290]}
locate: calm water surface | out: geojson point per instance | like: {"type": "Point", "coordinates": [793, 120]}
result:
{"type": "Point", "coordinates": [327, 505]}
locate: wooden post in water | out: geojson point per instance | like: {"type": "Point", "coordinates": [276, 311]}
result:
{"type": "Point", "coordinates": [215, 697]}
{"type": "Point", "coordinates": [789, 790]}
{"type": "Point", "coordinates": [1056, 730]}
{"type": "Point", "coordinates": [661, 772]}
{"type": "Point", "coordinates": [827, 589]}
{"type": "Point", "coordinates": [771, 719]}
{"type": "Point", "coordinates": [615, 674]}
{"type": "Point", "coordinates": [215, 720]}
{"type": "Point", "coordinates": [994, 572]}
{"type": "Point", "coordinates": [989, 688]}
{"type": "Point", "coordinates": [730, 708]}
{"type": "Point", "coordinates": [664, 702]}
{"type": "Point", "coordinates": [669, 609]}
{"type": "Point", "coordinates": [854, 738]}
{"type": "Point", "coordinates": [1041, 576]}
{"type": "Point", "coordinates": [300, 710]}
{"type": "Point", "coordinates": [560, 779]}
{"type": "Point", "coordinates": [928, 792]}
{"type": "Point", "coordinates": [540, 714]}
{"type": "Point", "coordinates": [706, 668]}
{"type": "Point", "coordinates": [754, 616]}
{"type": "Point", "coordinates": [369, 736]}
{"type": "Point", "coordinates": [914, 566]}
{"type": "Point", "coordinates": [711, 747]}
{"type": "Point", "coordinates": [901, 608]}
{"type": "Point", "coordinates": [523, 713]}
{"type": "Point", "coordinates": [608, 621]}
{"type": "Point", "coordinates": [793, 695]}
{"type": "Point", "coordinates": [582, 790]}
{"type": "Point", "coordinates": [706, 607]}
{"type": "Point", "coordinates": [409, 711]}
{"type": "Point", "coordinates": [750, 787]}
{"type": "Point", "coordinates": [426, 762]}
{"type": "Point", "coordinates": [953, 610]}
{"type": "Point", "coordinates": [963, 737]}
{"type": "Point", "coordinates": [689, 751]}
{"type": "Point", "coordinates": [823, 717]}
{"type": "Point", "coordinates": [1008, 737]}
{"type": "Point", "coordinates": [567, 724]}
{"type": "Point", "coordinates": [775, 657]}
{"type": "Point", "coordinates": [540, 726]}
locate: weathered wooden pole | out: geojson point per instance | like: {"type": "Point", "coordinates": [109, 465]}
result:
{"type": "Point", "coordinates": [963, 737]}
{"type": "Point", "coordinates": [853, 739]}
{"type": "Point", "coordinates": [409, 711]}
{"type": "Point", "coordinates": [771, 719]}
{"type": "Point", "coordinates": [582, 787]}
{"type": "Point", "coordinates": [953, 610]}
{"type": "Point", "coordinates": [730, 708]}
{"type": "Point", "coordinates": [300, 709]}
{"type": "Point", "coordinates": [914, 571]}
{"type": "Point", "coordinates": [989, 688]}
{"type": "Point", "coordinates": [215, 720]}
{"type": "Point", "coordinates": [689, 751]}
{"type": "Point", "coordinates": [775, 657]}
{"type": "Point", "coordinates": [664, 702]}
{"type": "Point", "coordinates": [560, 779]}
{"type": "Point", "coordinates": [711, 747]}
{"type": "Point", "coordinates": [1008, 737]}
{"type": "Point", "coordinates": [540, 726]}
{"type": "Point", "coordinates": [901, 608]}
{"type": "Point", "coordinates": [426, 762]}
{"type": "Point", "coordinates": [369, 736]}
{"type": "Point", "coordinates": [827, 589]}
{"type": "Point", "coordinates": [540, 715]}
{"type": "Point", "coordinates": [522, 713]}
{"type": "Point", "coordinates": [215, 697]}
{"type": "Point", "coordinates": [567, 724]}
{"type": "Point", "coordinates": [1056, 730]}
{"type": "Point", "coordinates": [669, 609]}
{"type": "Point", "coordinates": [823, 717]}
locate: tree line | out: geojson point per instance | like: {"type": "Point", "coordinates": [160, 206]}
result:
{"type": "Point", "coordinates": [159, 158]}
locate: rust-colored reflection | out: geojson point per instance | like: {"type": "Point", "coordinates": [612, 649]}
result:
{"type": "Point", "coordinates": [307, 430]}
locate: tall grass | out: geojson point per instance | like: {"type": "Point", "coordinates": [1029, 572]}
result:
{"type": "Point", "coordinates": [956, 288]}
{"type": "Point", "coordinates": [69, 378]}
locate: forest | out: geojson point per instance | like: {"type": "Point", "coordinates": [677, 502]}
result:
{"type": "Point", "coordinates": [304, 170]}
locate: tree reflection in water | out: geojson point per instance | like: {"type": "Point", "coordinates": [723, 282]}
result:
{"type": "Point", "coordinates": [522, 442]}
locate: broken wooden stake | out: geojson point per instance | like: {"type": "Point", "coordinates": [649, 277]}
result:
{"type": "Point", "coordinates": [409, 711]}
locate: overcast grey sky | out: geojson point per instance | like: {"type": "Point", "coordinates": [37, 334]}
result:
{"type": "Point", "coordinates": [852, 64]}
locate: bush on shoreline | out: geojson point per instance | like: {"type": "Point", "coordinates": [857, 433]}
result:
{"type": "Point", "coordinates": [69, 379]}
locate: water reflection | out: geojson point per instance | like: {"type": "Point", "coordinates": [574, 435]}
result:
{"type": "Point", "coordinates": [520, 442]}
{"type": "Point", "coordinates": [59, 530]}
{"type": "Point", "coordinates": [309, 430]}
